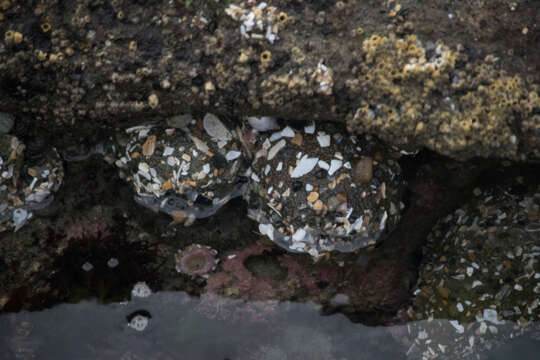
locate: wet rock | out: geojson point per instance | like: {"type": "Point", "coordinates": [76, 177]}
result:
{"type": "Point", "coordinates": [479, 281]}
{"type": "Point", "coordinates": [312, 197]}
{"type": "Point", "coordinates": [470, 92]}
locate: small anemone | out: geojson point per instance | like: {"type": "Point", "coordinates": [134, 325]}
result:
{"type": "Point", "coordinates": [196, 260]}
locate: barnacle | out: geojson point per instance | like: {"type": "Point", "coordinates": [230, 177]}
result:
{"type": "Point", "coordinates": [283, 17]}
{"type": "Point", "coordinates": [266, 56]}
{"type": "Point", "coordinates": [45, 27]}
{"type": "Point", "coordinates": [397, 83]}
{"type": "Point", "coordinates": [153, 101]}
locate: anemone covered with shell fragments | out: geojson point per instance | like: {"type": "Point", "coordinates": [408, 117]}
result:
{"type": "Point", "coordinates": [317, 189]}
{"type": "Point", "coordinates": [26, 184]}
{"type": "Point", "coordinates": [481, 271]}
{"type": "Point", "coordinates": [188, 171]}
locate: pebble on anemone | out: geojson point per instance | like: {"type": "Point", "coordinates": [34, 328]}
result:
{"type": "Point", "coordinates": [316, 189]}
{"type": "Point", "coordinates": [196, 260]}
{"type": "Point", "coordinates": [188, 173]}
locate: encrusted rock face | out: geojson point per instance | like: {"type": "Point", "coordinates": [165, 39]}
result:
{"type": "Point", "coordinates": [318, 189]}
{"type": "Point", "coordinates": [480, 279]}
{"type": "Point", "coordinates": [415, 92]}
{"type": "Point", "coordinates": [25, 184]}
{"type": "Point", "coordinates": [90, 65]}
{"type": "Point", "coordinates": [187, 173]}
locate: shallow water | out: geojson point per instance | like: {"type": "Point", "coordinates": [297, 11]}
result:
{"type": "Point", "coordinates": [209, 327]}
{"type": "Point", "coordinates": [184, 327]}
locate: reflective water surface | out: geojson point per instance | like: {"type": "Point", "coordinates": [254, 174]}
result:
{"type": "Point", "coordinates": [173, 325]}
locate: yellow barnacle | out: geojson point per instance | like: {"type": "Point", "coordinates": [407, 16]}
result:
{"type": "Point", "coordinates": [120, 15]}
{"type": "Point", "coordinates": [266, 56]}
{"type": "Point", "coordinates": [45, 27]}
{"type": "Point", "coordinates": [5, 5]}
{"type": "Point", "coordinates": [41, 55]}
{"type": "Point", "coordinates": [133, 46]}
{"type": "Point", "coordinates": [17, 37]}
{"type": "Point", "coordinates": [8, 36]}
{"type": "Point", "coordinates": [283, 18]}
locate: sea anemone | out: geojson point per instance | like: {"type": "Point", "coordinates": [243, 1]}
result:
{"type": "Point", "coordinates": [196, 260]}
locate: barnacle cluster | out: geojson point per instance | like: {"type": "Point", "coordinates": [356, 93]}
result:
{"type": "Point", "coordinates": [25, 184]}
{"type": "Point", "coordinates": [260, 21]}
{"type": "Point", "coordinates": [188, 173]}
{"type": "Point", "coordinates": [317, 189]}
{"type": "Point", "coordinates": [479, 281]}
{"type": "Point", "coordinates": [431, 94]}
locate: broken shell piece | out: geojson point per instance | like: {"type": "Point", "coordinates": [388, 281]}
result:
{"type": "Point", "coordinates": [304, 166]}
{"type": "Point", "coordinates": [216, 129]}
{"type": "Point", "coordinates": [263, 123]}
{"type": "Point", "coordinates": [19, 218]}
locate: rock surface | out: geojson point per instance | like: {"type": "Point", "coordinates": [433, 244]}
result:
{"type": "Point", "coordinates": [460, 78]}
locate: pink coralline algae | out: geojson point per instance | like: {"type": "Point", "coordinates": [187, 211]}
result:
{"type": "Point", "coordinates": [256, 273]}
{"type": "Point", "coordinates": [236, 280]}
{"type": "Point", "coordinates": [196, 260]}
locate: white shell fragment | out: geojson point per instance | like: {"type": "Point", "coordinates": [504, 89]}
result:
{"type": "Point", "coordinates": [232, 155]}
{"type": "Point", "coordinates": [323, 139]}
{"type": "Point", "coordinates": [310, 129]}
{"type": "Point", "coordinates": [275, 149]}
{"type": "Point", "coordinates": [305, 165]}
{"type": "Point", "coordinates": [263, 123]}
{"type": "Point", "coordinates": [216, 129]}
{"type": "Point", "coordinates": [335, 165]}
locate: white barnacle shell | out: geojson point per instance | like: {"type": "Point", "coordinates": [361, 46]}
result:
{"type": "Point", "coordinates": [263, 123]}
{"type": "Point", "coordinates": [216, 129]}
